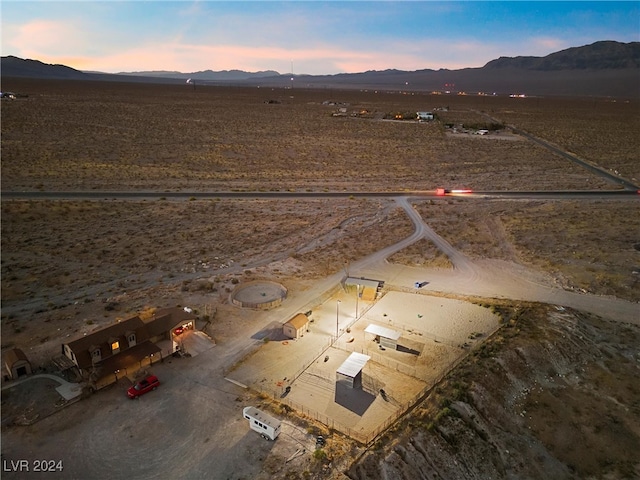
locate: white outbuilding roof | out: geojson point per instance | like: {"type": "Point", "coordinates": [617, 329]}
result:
{"type": "Point", "coordinates": [383, 332]}
{"type": "Point", "coordinates": [354, 364]}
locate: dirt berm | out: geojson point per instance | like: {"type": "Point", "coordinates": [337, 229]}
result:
{"type": "Point", "coordinates": [554, 394]}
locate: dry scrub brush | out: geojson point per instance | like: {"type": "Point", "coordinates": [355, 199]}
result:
{"type": "Point", "coordinates": [61, 248]}
{"type": "Point", "coordinates": [120, 137]}
{"type": "Point", "coordinates": [601, 131]}
{"type": "Point", "coordinates": [590, 244]}
{"type": "Point", "coordinates": [586, 244]}
{"type": "Point", "coordinates": [354, 240]}
{"type": "Point", "coordinates": [423, 253]}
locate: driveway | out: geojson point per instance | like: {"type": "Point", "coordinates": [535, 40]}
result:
{"type": "Point", "coordinates": [190, 427]}
{"type": "Point", "coordinates": [195, 342]}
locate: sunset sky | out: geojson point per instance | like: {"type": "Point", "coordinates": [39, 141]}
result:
{"type": "Point", "coordinates": [308, 37]}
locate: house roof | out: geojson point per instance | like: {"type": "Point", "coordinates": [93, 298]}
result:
{"type": "Point", "coordinates": [14, 355]}
{"type": "Point", "coordinates": [162, 321]}
{"type": "Point", "coordinates": [354, 364]}
{"type": "Point", "coordinates": [128, 357]}
{"type": "Point", "coordinates": [299, 321]}
{"type": "Point", "coordinates": [102, 338]}
{"type": "Point", "coordinates": [165, 319]}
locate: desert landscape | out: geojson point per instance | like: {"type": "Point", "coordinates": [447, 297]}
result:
{"type": "Point", "coordinates": [322, 197]}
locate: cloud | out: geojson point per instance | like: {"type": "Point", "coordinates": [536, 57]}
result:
{"type": "Point", "coordinates": [42, 36]}
{"type": "Point", "coordinates": [315, 59]}
{"type": "Point", "coordinates": [189, 58]}
{"type": "Point", "coordinates": [320, 38]}
{"type": "Point", "coordinates": [69, 41]}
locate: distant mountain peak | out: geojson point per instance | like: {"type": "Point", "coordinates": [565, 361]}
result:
{"type": "Point", "coordinates": [602, 69]}
{"type": "Point", "coordinates": [607, 54]}
{"type": "Point", "coordinates": [205, 75]}
{"type": "Point", "coordinates": [20, 67]}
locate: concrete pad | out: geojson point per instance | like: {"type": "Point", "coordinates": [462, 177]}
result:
{"type": "Point", "coordinates": [69, 391]}
{"type": "Point", "coordinates": [195, 342]}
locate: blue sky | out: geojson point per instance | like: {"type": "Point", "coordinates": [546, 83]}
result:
{"type": "Point", "coordinates": [313, 37]}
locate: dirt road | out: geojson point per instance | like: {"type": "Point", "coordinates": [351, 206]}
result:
{"type": "Point", "coordinates": [488, 278]}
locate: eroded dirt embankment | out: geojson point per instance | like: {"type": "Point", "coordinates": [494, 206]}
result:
{"type": "Point", "coordinates": [554, 394]}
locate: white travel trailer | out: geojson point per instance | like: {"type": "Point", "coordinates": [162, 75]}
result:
{"type": "Point", "coordinates": [264, 424]}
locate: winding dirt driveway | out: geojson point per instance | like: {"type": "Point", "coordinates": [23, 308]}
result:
{"type": "Point", "coordinates": [487, 278]}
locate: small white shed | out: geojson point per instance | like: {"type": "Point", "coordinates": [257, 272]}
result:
{"type": "Point", "coordinates": [267, 426]}
{"type": "Point", "coordinates": [296, 326]}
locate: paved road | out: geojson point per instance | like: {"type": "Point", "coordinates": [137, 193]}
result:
{"type": "Point", "coordinates": [139, 195]}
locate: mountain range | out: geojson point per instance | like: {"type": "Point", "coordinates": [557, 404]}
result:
{"type": "Point", "coordinates": [206, 75]}
{"type": "Point", "coordinates": [606, 68]}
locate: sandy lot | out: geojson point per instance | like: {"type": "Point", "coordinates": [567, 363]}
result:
{"type": "Point", "coordinates": [436, 333]}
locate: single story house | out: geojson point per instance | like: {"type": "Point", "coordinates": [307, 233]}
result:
{"type": "Point", "coordinates": [17, 363]}
{"type": "Point", "coordinates": [296, 326]}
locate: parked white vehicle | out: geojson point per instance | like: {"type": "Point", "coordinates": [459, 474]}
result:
{"type": "Point", "coordinates": [267, 426]}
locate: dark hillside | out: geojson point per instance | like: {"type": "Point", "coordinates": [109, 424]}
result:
{"type": "Point", "coordinates": [602, 69]}
{"type": "Point", "coordinates": [17, 67]}
{"type": "Point", "coordinates": [597, 56]}
{"type": "Point", "coordinates": [552, 395]}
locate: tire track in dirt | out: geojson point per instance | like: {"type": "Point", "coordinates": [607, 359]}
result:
{"type": "Point", "coordinates": [488, 278]}
{"type": "Point", "coordinates": [596, 169]}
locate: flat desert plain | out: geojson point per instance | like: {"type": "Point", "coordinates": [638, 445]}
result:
{"type": "Point", "coordinates": [71, 265]}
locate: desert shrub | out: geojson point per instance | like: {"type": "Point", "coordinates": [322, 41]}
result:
{"type": "Point", "coordinates": [319, 455]}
